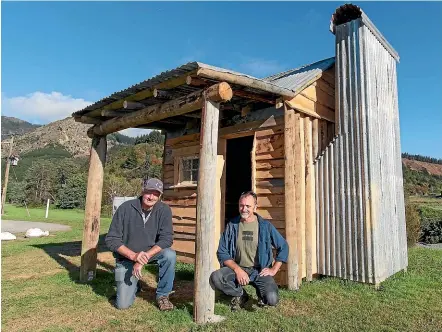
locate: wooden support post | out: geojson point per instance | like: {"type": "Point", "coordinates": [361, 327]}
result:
{"type": "Point", "coordinates": [315, 136]}
{"type": "Point", "coordinates": [289, 193]}
{"type": "Point", "coordinates": [91, 229]}
{"type": "Point", "coordinates": [310, 214]}
{"type": "Point", "coordinates": [205, 218]}
{"type": "Point", "coordinates": [5, 181]}
{"type": "Point", "coordinates": [300, 192]}
{"type": "Point", "coordinates": [219, 206]}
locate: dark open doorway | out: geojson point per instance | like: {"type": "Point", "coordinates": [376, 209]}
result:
{"type": "Point", "coordinates": [238, 172]}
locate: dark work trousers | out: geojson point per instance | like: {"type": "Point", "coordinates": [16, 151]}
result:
{"type": "Point", "coordinates": [224, 280]}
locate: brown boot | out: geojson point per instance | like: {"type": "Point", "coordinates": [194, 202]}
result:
{"type": "Point", "coordinates": [239, 302]}
{"type": "Point", "coordinates": [164, 304]}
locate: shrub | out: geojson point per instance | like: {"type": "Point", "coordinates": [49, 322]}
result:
{"type": "Point", "coordinates": [431, 225]}
{"type": "Point", "coordinates": [413, 223]}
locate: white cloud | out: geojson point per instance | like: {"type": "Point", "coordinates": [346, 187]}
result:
{"type": "Point", "coordinates": [134, 132]}
{"type": "Point", "coordinates": [39, 107]}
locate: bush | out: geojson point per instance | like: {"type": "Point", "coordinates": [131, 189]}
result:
{"type": "Point", "coordinates": [432, 232]}
{"type": "Point", "coordinates": [431, 225]}
{"type": "Point", "coordinates": [413, 223]}
{"type": "Point", "coordinates": [73, 194]}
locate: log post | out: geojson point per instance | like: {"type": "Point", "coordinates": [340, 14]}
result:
{"type": "Point", "coordinates": [205, 217]}
{"type": "Point", "coordinates": [300, 193]}
{"type": "Point", "coordinates": [310, 212]}
{"type": "Point", "coordinates": [5, 181]}
{"type": "Point", "coordinates": [91, 230]}
{"type": "Point", "coordinates": [289, 192]}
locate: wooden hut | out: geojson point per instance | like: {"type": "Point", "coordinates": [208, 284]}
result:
{"type": "Point", "coordinates": [318, 144]}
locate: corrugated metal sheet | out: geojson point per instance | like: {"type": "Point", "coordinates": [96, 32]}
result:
{"type": "Point", "coordinates": [149, 83]}
{"type": "Point", "coordinates": [360, 200]}
{"type": "Point", "coordinates": [349, 12]}
{"type": "Point", "coordinates": [300, 78]}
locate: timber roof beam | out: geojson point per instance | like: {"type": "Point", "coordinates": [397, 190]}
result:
{"type": "Point", "coordinates": [220, 92]}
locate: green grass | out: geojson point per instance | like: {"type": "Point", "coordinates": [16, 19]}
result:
{"type": "Point", "coordinates": [432, 202]}
{"type": "Point", "coordinates": [67, 217]}
{"type": "Point", "coordinates": [40, 292]}
{"type": "Point", "coordinates": [73, 218]}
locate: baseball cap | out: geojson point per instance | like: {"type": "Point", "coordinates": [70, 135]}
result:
{"type": "Point", "coordinates": [153, 184]}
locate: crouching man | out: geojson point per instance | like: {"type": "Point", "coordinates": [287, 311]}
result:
{"type": "Point", "coordinates": [245, 254]}
{"type": "Point", "coordinates": [140, 233]}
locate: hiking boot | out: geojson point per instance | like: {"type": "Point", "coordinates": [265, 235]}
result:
{"type": "Point", "coordinates": [239, 302]}
{"type": "Point", "coordinates": [261, 303]}
{"type": "Point", "coordinates": [164, 304]}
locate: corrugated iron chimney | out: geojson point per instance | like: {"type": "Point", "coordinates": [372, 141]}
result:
{"type": "Point", "coordinates": [368, 187]}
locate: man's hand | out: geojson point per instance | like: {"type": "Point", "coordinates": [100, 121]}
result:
{"type": "Point", "coordinates": [268, 271]}
{"type": "Point", "coordinates": [142, 258]}
{"type": "Point", "coordinates": [242, 276]}
{"type": "Point", "coordinates": [136, 272]}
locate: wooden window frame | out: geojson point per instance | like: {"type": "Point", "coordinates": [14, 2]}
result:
{"type": "Point", "coordinates": [180, 181]}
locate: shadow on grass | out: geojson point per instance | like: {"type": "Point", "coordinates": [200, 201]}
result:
{"type": "Point", "coordinates": [104, 283]}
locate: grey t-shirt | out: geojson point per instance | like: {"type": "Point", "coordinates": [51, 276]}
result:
{"type": "Point", "coordinates": [247, 244]}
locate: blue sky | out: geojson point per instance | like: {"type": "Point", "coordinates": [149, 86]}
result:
{"type": "Point", "coordinates": [58, 57]}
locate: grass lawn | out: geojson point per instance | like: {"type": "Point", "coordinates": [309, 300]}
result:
{"type": "Point", "coordinates": [431, 202]}
{"type": "Point", "coordinates": [40, 292]}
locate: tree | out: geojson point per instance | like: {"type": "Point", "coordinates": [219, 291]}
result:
{"type": "Point", "coordinates": [153, 137]}
{"type": "Point", "coordinates": [115, 185]}
{"type": "Point", "coordinates": [73, 194]}
{"type": "Point", "coordinates": [131, 161]}
{"type": "Point", "coordinates": [40, 181]}
{"type": "Point", "coordinates": [17, 193]}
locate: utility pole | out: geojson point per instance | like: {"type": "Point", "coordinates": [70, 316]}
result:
{"type": "Point", "coordinates": [5, 182]}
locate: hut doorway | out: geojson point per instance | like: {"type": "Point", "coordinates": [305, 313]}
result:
{"type": "Point", "coordinates": [238, 172]}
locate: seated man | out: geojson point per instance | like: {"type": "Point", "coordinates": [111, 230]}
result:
{"type": "Point", "coordinates": [245, 254]}
{"type": "Point", "coordinates": [141, 232]}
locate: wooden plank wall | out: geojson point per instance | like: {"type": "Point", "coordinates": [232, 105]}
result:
{"type": "Point", "coordinates": [182, 201]}
{"type": "Point", "coordinates": [269, 180]}
{"type": "Point", "coordinates": [311, 137]}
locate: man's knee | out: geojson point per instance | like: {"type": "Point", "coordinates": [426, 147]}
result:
{"type": "Point", "coordinates": [169, 255]}
{"type": "Point", "coordinates": [215, 279]}
{"type": "Point", "coordinates": [272, 298]}
{"type": "Point", "coordinates": [124, 301]}
{"type": "Point", "coordinates": [121, 305]}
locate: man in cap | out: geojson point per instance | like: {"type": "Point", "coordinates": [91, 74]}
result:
{"type": "Point", "coordinates": [141, 232]}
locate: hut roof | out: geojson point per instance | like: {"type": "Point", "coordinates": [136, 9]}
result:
{"type": "Point", "coordinates": [289, 82]}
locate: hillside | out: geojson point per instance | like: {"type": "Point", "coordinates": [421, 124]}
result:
{"type": "Point", "coordinates": [14, 126]}
{"type": "Point", "coordinates": [422, 166]}
{"type": "Point", "coordinates": [421, 178]}
{"type": "Point", "coordinates": [65, 134]}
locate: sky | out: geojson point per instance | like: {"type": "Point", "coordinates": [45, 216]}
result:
{"type": "Point", "coordinates": [58, 57]}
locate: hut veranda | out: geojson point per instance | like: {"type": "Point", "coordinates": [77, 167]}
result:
{"type": "Point", "coordinates": [319, 145]}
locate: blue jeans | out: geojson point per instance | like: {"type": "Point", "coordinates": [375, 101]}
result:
{"type": "Point", "coordinates": [224, 280]}
{"type": "Point", "coordinates": [127, 284]}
